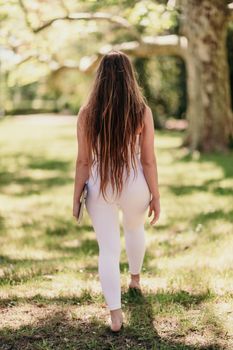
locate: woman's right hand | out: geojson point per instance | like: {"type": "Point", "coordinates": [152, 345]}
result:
{"type": "Point", "coordinates": [154, 207]}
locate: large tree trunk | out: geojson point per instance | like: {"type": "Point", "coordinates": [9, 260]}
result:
{"type": "Point", "coordinates": [209, 110]}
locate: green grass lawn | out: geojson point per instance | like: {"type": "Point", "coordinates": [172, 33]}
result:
{"type": "Point", "coordinates": [50, 294]}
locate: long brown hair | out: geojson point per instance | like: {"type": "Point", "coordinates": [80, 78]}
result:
{"type": "Point", "coordinates": [114, 112]}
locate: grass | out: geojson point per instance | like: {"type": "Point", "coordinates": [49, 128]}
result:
{"type": "Point", "coordinates": [49, 286]}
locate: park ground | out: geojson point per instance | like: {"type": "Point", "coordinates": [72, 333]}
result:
{"type": "Point", "coordinates": [50, 296]}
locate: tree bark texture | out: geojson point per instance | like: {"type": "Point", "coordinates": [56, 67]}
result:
{"type": "Point", "coordinates": [209, 108]}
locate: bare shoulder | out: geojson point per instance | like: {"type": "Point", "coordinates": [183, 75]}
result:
{"type": "Point", "coordinates": [148, 117]}
{"type": "Point", "coordinates": [148, 113]}
{"type": "Point", "coordinates": [82, 111]}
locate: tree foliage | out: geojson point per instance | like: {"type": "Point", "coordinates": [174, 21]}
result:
{"type": "Point", "coordinates": [51, 50]}
{"type": "Point", "coordinates": [42, 54]}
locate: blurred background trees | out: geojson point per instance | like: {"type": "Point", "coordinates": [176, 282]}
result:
{"type": "Point", "coordinates": [181, 50]}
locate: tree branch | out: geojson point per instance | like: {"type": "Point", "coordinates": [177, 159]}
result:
{"type": "Point", "coordinates": [118, 20]}
{"type": "Point", "coordinates": [87, 16]}
{"type": "Point", "coordinates": [169, 45]}
{"type": "Point", "coordinates": [53, 64]}
{"type": "Point", "coordinates": [25, 12]}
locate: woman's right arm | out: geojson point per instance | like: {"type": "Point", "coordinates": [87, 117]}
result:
{"type": "Point", "coordinates": [149, 164]}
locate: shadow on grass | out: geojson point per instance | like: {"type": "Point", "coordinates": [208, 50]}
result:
{"type": "Point", "coordinates": [29, 184]}
{"type": "Point", "coordinates": [86, 247]}
{"type": "Point", "coordinates": [59, 226]}
{"type": "Point", "coordinates": [20, 271]}
{"type": "Point", "coordinates": [49, 164]}
{"type": "Point", "coordinates": [58, 330]}
{"type": "Point", "coordinates": [2, 223]}
{"type": "Point", "coordinates": [213, 215]}
{"type": "Point", "coordinates": [222, 160]}
{"type": "Point", "coordinates": [189, 189]}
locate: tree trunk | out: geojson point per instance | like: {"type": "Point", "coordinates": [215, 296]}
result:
{"type": "Point", "coordinates": [209, 109]}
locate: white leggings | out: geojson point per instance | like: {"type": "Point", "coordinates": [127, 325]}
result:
{"type": "Point", "coordinates": [133, 201]}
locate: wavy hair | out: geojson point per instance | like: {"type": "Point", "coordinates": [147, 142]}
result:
{"type": "Point", "coordinates": [114, 112]}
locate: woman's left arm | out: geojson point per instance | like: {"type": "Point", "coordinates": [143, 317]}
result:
{"type": "Point", "coordinates": [82, 162]}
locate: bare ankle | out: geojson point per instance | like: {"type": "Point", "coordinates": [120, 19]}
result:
{"type": "Point", "coordinates": [135, 277]}
{"type": "Point", "coordinates": [116, 311]}
{"type": "Point", "coordinates": [116, 315]}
